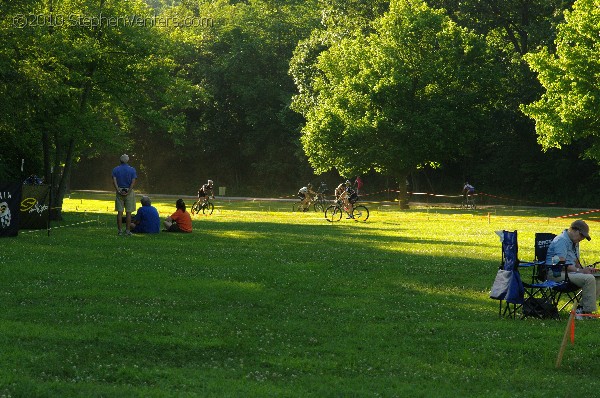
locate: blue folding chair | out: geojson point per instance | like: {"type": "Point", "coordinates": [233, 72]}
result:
{"type": "Point", "coordinates": [508, 287]}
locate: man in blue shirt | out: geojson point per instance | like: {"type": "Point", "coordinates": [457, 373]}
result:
{"type": "Point", "coordinates": [124, 177]}
{"type": "Point", "coordinates": [146, 220]}
{"type": "Point", "coordinates": [565, 247]}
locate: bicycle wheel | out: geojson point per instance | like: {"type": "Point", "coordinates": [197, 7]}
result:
{"type": "Point", "coordinates": [297, 207]}
{"type": "Point", "coordinates": [333, 213]}
{"type": "Point", "coordinates": [318, 206]}
{"type": "Point", "coordinates": [472, 205]}
{"type": "Point", "coordinates": [360, 213]}
{"type": "Point", "coordinates": [195, 208]}
{"type": "Point", "coordinates": [208, 208]}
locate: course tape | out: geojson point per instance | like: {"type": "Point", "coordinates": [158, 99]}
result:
{"type": "Point", "coordinates": [520, 200]}
{"type": "Point", "coordinates": [58, 226]}
{"type": "Point", "coordinates": [478, 194]}
{"type": "Point", "coordinates": [574, 316]}
{"type": "Point", "coordinates": [449, 196]}
{"type": "Point", "coordinates": [579, 214]}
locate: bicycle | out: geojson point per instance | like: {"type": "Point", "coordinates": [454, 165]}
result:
{"type": "Point", "coordinates": [202, 205]}
{"type": "Point", "coordinates": [320, 202]}
{"type": "Point", "coordinates": [300, 206]}
{"type": "Point", "coordinates": [468, 203]}
{"type": "Point", "coordinates": [336, 211]}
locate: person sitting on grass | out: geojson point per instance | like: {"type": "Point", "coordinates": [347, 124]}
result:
{"type": "Point", "coordinates": [146, 220]}
{"type": "Point", "coordinates": [180, 221]}
{"type": "Point", "coordinates": [566, 247]}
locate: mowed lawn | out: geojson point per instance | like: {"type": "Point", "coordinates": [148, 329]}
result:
{"type": "Point", "coordinates": [262, 302]}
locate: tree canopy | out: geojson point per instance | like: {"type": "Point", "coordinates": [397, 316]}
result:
{"type": "Point", "coordinates": [568, 109]}
{"type": "Point", "coordinates": [261, 96]}
{"type": "Point", "coordinates": [409, 94]}
{"type": "Point", "coordinates": [88, 72]}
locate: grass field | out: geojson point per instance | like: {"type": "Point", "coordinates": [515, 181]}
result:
{"type": "Point", "coordinates": [262, 302]}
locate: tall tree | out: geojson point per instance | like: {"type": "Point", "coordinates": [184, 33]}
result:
{"type": "Point", "coordinates": [242, 129]}
{"type": "Point", "coordinates": [568, 109]}
{"type": "Point", "coordinates": [91, 70]}
{"type": "Point", "coordinates": [512, 27]}
{"type": "Point", "coordinates": [399, 98]}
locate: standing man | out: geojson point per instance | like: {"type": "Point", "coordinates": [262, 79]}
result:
{"type": "Point", "coordinates": [124, 177]}
{"type": "Point", "coordinates": [358, 184]}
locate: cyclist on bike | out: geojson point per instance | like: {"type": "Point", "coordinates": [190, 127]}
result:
{"type": "Point", "coordinates": [347, 195]}
{"type": "Point", "coordinates": [352, 197]}
{"type": "Point", "coordinates": [306, 195]}
{"type": "Point", "coordinates": [468, 190]}
{"type": "Point", "coordinates": [322, 188]}
{"type": "Point", "coordinates": [206, 190]}
{"type": "Point", "coordinates": [339, 190]}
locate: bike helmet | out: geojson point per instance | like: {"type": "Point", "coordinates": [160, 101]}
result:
{"type": "Point", "coordinates": [348, 183]}
{"type": "Point", "coordinates": [210, 182]}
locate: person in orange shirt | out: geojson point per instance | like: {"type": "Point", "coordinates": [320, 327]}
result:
{"type": "Point", "coordinates": [180, 221]}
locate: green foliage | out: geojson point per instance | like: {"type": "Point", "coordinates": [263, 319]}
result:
{"type": "Point", "coordinates": [398, 98]}
{"type": "Point", "coordinates": [506, 146]}
{"type": "Point", "coordinates": [259, 301]}
{"type": "Point", "coordinates": [214, 100]}
{"type": "Point", "coordinates": [86, 77]}
{"type": "Point", "coordinates": [239, 123]}
{"type": "Point", "coordinates": [567, 111]}
{"type": "Point", "coordinates": [516, 26]}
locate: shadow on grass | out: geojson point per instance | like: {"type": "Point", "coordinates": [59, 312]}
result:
{"type": "Point", "coordinates": [266, 304]}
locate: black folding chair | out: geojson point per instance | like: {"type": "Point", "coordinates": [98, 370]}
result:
{"type": "Point", "coordinates": [566, 289]}
{"type": "Point", "coordinates": [539, 293]}
{"type": "Point", "coordinates": [543, 296]}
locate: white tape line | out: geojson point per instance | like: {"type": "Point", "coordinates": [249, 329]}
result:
{"type": "Point", "coordinates": [58, 226]}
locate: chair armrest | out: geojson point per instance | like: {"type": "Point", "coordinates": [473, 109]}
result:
{"type": "Point", "coordinates": [525, 265]}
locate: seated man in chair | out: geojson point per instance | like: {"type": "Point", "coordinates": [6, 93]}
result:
{"type": "Point", "coordinates": [566, 247]}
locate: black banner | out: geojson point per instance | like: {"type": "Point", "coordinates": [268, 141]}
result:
{"type": "Point", "coordinates": [10, 202]}
{"type": "Point", "coordinates": [34, 206]}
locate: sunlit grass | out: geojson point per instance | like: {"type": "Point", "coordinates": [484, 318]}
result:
{"type": "Point", "coordinates": [260, 301]}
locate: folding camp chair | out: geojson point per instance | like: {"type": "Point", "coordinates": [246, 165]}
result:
{"type": "Point", "coordinates": [543, 296]}
{"type": "Point", "coordinates": [508, 287]}
{"type": "Point", "coordinates": [568, 289]}
{"type": "Point", "coordinates": [539, 293]}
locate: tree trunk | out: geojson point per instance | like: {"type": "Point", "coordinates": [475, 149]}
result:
{"type": "Point", "coordinates": [46, 152]}
{"type": "Point", "coordinates": [65, 177]}
{"type": "Point", "coordinates": [402, 194]}
{"type": "Point", "coordinates": [50, 171]}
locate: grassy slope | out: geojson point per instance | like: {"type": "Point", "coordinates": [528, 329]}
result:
{"type": "Point", "coordinates": [259, 301]}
